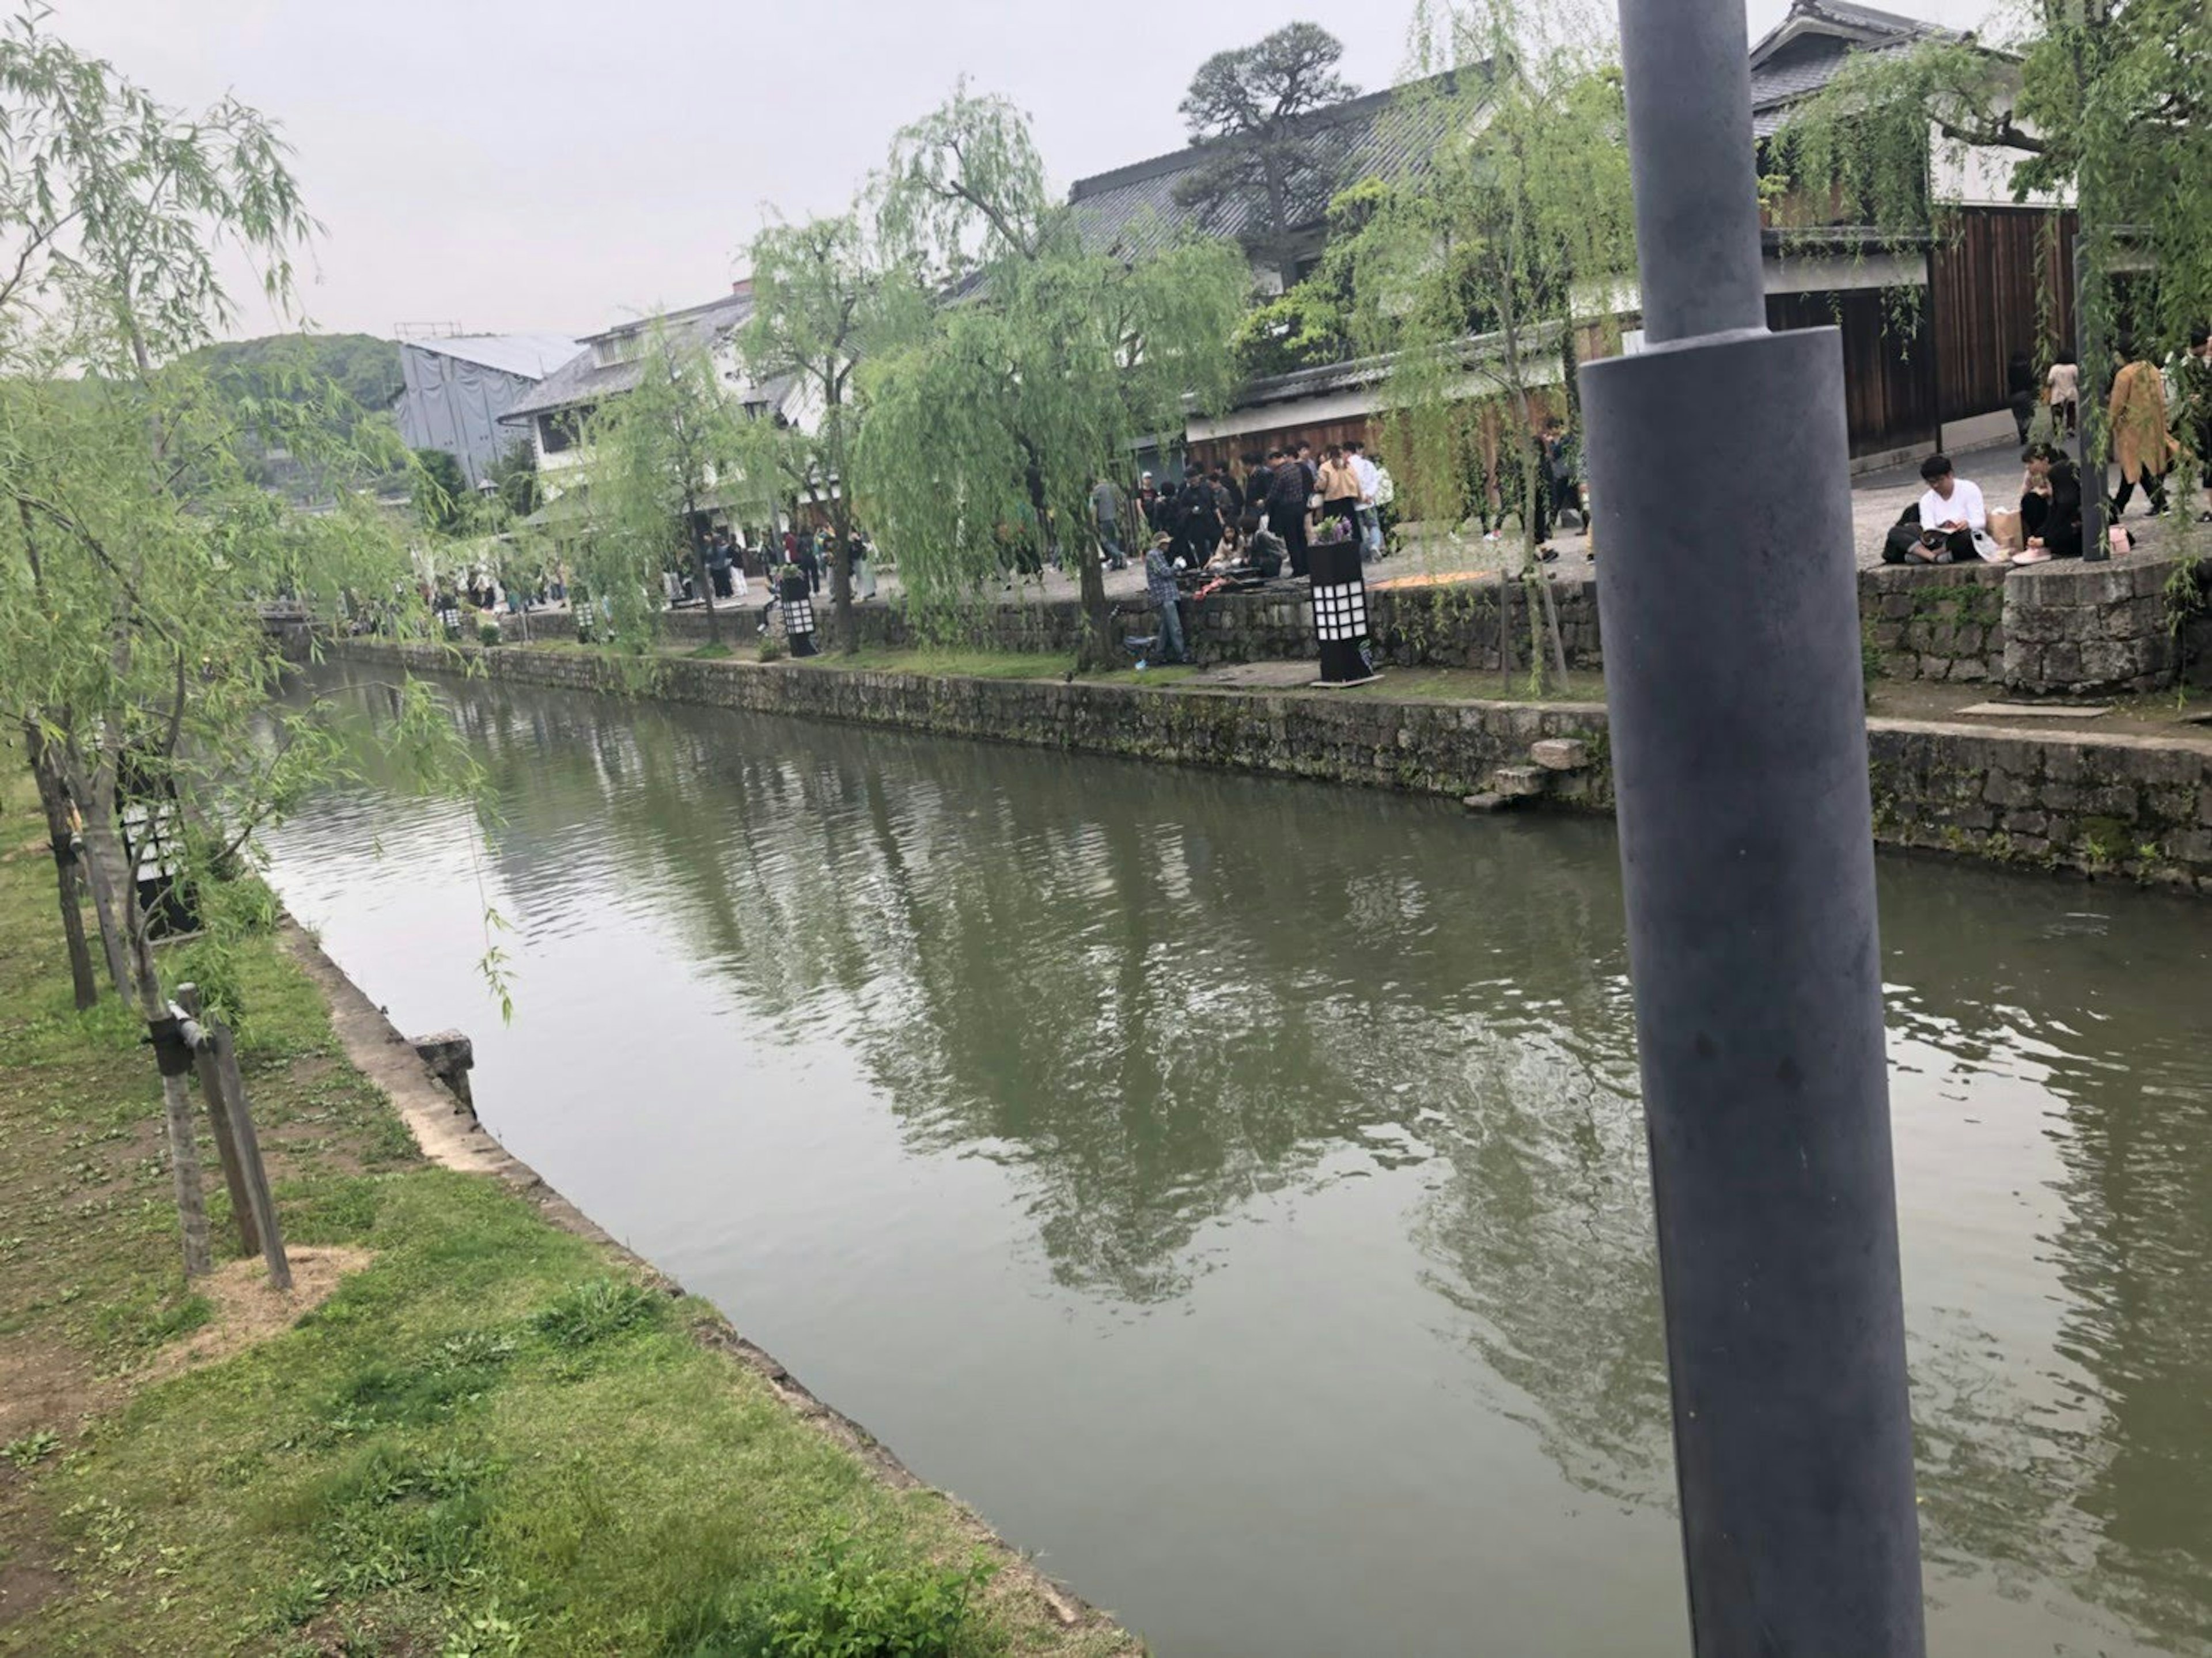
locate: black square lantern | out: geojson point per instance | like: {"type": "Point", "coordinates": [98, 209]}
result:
{"type": "Point", "coordinates": [1339, 613]}
{"type": "Point", "coordinates": [798, 600]}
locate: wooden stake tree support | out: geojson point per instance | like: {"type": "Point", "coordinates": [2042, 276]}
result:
{"type": "Point", "coordinates": [222, 1090]}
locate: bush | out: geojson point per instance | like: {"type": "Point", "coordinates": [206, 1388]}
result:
{"type": "Point", "coordinates": [488, 632]}
{"type": "Point", "coordinates": [771, 647]}
{"type": "Point", "coordinates": [845, 1602]}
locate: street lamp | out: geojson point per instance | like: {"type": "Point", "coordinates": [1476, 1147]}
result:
{"type": "Point", "coordinates": [1728, 604]}
{"type": "Point", "coordinates": [797, 605]}
{"type": "Point", "coordinates": [1339, 613]}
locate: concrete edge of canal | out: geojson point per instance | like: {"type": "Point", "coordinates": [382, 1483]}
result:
{"type": "Point", "coordinates": [2134, 806]}
{"type": "Point", "coordinates": [449, 1135]}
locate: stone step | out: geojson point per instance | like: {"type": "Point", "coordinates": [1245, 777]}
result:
{"type": "Point", "coordinates": [1560, 753]}
{"type": "Point", "coordinates": [1518, 782]}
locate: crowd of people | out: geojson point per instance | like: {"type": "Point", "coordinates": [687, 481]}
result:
{"type": "Point", "coordinates": [2160, 420]}
{"type": "Point", "coordinates": [1274, 508]}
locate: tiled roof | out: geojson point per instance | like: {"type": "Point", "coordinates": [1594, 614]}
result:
{"type": "Point", "coordinates": [1134, 210]}
{"type": "Point", "coordinates": [1805, 51]}
{"type": "Point", "coordinates": [533, 356]}
{"type": "Point", "coordinates": [584, 380]}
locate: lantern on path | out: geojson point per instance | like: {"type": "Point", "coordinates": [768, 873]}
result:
{"type": "Point", "coordinates": [798, 600]}
{"type": "Point", "coordinates": [1339, 613]}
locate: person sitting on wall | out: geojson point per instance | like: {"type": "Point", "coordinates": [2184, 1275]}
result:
{"type": "Point", "coordinates": [1263, 549]}
{"type": "Point", "coordinates": [2050, 507]}
{"type": "Point", "coordinates": [1952, 518]}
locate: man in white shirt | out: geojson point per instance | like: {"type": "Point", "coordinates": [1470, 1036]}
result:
{"type": "Point", "coordinates": [1369, 511]}
{"type": "Point", "coordinates": [1952, 515]}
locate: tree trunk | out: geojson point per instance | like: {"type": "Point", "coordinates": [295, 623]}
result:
{"type": "Point", "coordinates": [106, 864]}
{"type": "Point", "coordinates": [1096, 654]}
{"type": "Point", "coordinates": [68, 879]}
{"type": "Point", "coordinates": [699, 572]}
{"type": "Point", "coordinates": [1504, 631]}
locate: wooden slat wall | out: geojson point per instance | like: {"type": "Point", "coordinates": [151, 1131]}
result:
{"type": "Point", "coordinates": [1990, 289]}
{"type": "Point", "coordinates": [1889, 381]}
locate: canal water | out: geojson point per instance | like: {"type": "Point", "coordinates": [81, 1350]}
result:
{"type": "Point", "coordinates": [1236, 1189]}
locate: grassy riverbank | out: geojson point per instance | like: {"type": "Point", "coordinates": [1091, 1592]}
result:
{"type": "Point", "coordinates": [491, 1437]}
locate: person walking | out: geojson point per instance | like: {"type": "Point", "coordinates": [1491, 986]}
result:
{"type": "Point", "coordinates": [809, 562]}
{"type": "Point", "coordinates": [2140, 443]}
{"type": "Point", "coordinates": [2064, 380]}
{"type": "Point", "coordinates": [2020, 390]}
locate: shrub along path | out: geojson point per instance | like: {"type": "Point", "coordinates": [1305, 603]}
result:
{"type": "Point", "coordinates": [492, 1434]}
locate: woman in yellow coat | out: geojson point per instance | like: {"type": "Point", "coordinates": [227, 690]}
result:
{"type": "Point", "coordinates": [2141, 442]}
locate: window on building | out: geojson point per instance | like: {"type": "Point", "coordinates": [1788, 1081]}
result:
{"type": "Point", "coordinates": [617, 347]}
{"type": "Point", "coordinates": [559, 429]}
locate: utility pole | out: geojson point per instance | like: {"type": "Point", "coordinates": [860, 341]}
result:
{"type": "Point", "coordinates": [2091, 350]}
{"type": "Point", "coordinates": [1729, 601]}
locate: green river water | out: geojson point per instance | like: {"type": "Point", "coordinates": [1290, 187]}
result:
{"type": "Point", "coordinates": [1236, 1189]}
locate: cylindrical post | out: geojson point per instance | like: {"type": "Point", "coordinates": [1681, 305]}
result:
{"type": "Point", "coordinates": [1690, 158]}
{"type": "Point", "coordinates": [1728, 598]}
{"type": "Point", "coordinates": [2092, 391]}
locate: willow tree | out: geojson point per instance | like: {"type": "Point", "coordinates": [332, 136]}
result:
{"type": "Point", "coordinates": [2106, 102]}
{"type": "Point", "coordinates": [653, 460]}
{"type": "Point", "coordinates": [1016, 367]}
{"type": "Point", "coordinates": [815, 289]}
{"type": "Point", "coordinates": [1476, 273]}
{"type": "Point", "coordinates": [136, 544]}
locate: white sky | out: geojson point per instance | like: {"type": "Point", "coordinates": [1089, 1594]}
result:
{"type": "Point", "coordinates": [551, 164]}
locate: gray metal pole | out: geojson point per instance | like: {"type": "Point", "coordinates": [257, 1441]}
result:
{"type": "Point", "coordinates": [2094, 356]}
{"type": "Point", "coordinates": [1729, 600]}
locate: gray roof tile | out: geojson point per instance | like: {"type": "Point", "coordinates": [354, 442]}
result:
{"type": "Point", "coordinates": [584, 380]}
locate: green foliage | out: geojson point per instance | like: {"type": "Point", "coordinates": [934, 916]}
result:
{"type": "Point", "coordinates": [845, 1602]}
{"type": "Point", "coordinates": [816, 290]}
{"type": "Point", "coordinates": [991, 416]}
{"type": "Point", "coordinates": [1474, 277]}
{"type": "Point", "coordinates": [651, 459]}
{"type": "Point", "coordinates": [353, 377]}
{"type": "Point", "coordinates": [31, 1449]}
{"type": "Point", "coordinates": [597, 1311]}
{"type": "Point", "coordinates": [136, 541]}
{"type": "Point", "coordinates": [1252, 104]}
{"type": "Point", "coordinates": [2109, 102]}
{"type": "Point", "coordinates": [440, 491]}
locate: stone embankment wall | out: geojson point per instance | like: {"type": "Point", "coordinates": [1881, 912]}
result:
{"type": "Point", "coordinates": [2137, 806]}
{"type": "Point", "coordinates": [2069, 629]}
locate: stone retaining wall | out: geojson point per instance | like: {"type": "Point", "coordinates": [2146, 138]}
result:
{"type": "Point", "coordinates": [2052, 630]}
{"type": "Point", "coordinates": [2139, 806]}
{"type": "Point", "coordinates": [1935, 622]}
{"type": "Point", "coordinates": [2089, 630]}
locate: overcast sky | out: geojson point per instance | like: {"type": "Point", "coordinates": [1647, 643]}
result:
{"type": "Point", "coordinates": [557, 165]}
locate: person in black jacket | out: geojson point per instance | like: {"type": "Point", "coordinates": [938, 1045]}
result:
{"type": "Point", "coordinates": [2050, 507]}
{"type": "Point", "coordinates": [1287, 492]}
{"type": "Point", "coordinates": [1231, 493]}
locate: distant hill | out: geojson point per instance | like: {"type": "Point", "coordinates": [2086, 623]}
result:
{"type": "Point", "coordinates": [281, 368]}
{"type": "Point", "coordinates": [363, 366]}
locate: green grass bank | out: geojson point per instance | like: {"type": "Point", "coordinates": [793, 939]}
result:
{"type": "Point", "coordinates": [475, 1429]}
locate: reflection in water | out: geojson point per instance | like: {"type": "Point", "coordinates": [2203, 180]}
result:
{"type": "Point", "coordinates": [1081, 1125]}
